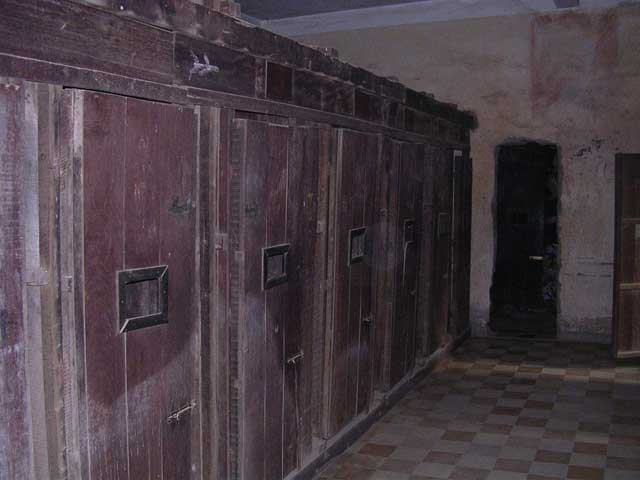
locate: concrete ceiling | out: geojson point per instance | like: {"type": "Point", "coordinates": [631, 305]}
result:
{"type": "Point", "coordinates": [302, 17]}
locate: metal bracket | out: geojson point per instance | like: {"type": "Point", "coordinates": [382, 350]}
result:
{"type": "Point", "coordinates": [175, 416]}
{"type": "Point", "coordinates": [293, 359]}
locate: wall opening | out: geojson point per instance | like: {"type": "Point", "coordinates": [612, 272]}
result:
{"type": "Point", "coordinates": [524, 291]}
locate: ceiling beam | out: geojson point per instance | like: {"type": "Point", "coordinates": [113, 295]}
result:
{"type": "Point", "coordinates": [422, 12]}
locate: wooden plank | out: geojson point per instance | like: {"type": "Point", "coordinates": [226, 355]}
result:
{"type": "Point", "coordinates": [208, 119]}
{"type": "Point", "coordinates": [279, 82]}
{"type": "Point", "coordinates": [626, 298]}
{"type": "Point", "coordinates": [307, 90]}
{"type": "Point", "coordinates": [220, 317]}
{"type": "Point", "coordinates": [322, 313]}
{"type": "Point", "coordinates": [15, 447]}
{"type": "Point", "coordinates": [177, 232]}
{"type": "Point", "coordinates": [70, 76]}
{"type": "Point", "coordinates": [279, 306]}
{"type": "Point", "coordinates": [253, 329]}
{"type": "Point", "coordinates": [365, 356]}
{"type": "Point", "coordinates": [49, 100]}
{"type": "Point", "coordinates": [425, 290]}
{"type": "Point", "coordinates": [103, 167]}
{"type": "Point", "coordinates": [443, 172]}
{"type": "Point", "coordinates": [338, 97]}
{"type": "Point", "coordinates": [205, 65]}
{"type": "Point", "coordinates": [302, 211]}
{"type": "Point", "coordinates": [384, 253]}
{"type": "Point", "coordinates": [68, 33]}
{"type": "Point", "coordinates": [368, 107]}
{"type": "Point", "coordinates": [144, 348]}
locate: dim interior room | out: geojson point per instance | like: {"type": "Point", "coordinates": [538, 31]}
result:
{"type": "Point", "coordinates": [319, 240]}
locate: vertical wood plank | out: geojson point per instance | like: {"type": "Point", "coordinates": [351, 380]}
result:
{"type": "Point", "coordinates": [177, 170]}
{"type": "Point", "coordinates": [276, 298]}
{"type": "Point", "coordinates": [143, 187]}
{"type": "Point", "coordinates": [221, 305]}
{"type": "Point", "coordinates": [385, 257]}
{"type": "Point", "coordinates": [365, 358]}
{"type": "Point", "coordinates": [253, 329]}
{"type": "Point", "coordinates": [103, 245]}
{"type": "Point", "coordinates": [15, 430]}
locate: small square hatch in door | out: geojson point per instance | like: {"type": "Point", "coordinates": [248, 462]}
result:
{"type": "Point", "coordinates": [143, 297]}
{"type": "Point", "coordinates": [357, 245]}
{"type": "Point", "coordinates": [275, 266]}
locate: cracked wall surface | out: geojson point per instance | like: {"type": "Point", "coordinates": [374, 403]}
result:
{"type": "Point", "coordinates": [572, 79]}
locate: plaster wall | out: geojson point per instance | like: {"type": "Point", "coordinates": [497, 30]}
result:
{"type": "Point", "coordinates": [568, 78]}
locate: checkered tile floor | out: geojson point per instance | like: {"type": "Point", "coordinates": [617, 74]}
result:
{"type": "Point", "coordinates": [508, 410]}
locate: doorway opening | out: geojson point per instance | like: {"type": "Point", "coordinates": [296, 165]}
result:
{"type": "Point", "coordinates": [525, 278]}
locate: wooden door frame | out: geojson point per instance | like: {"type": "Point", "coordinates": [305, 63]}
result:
{"type": "Point", "coordinates": [617, 258]}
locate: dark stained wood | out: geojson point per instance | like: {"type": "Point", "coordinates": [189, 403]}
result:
{"type": "Point", "coordinates": [626, 299]}
{"type": "Point", "coordinates": [307, 90]}
{"type": "Point", "coordinates": [178, 220]}
{"type": "Point", "coordinates": [276, 351]}
{"type": "Point", "coordinates": [137, 161]}
{"type": "Point", "coordinates": [68, 33]}
{"type": "Point", "coordinates": [279, 82]}
{"type": "Point", "coordinates": [425, 288]}
{"type": "Point", "coordinates": [253, 332]}
{"type": "Point", "coordinates": [350, 301]}
{"type": "Point", "coordinates": [16, 125]}
{"type": "Point", "coordinates": [408, 251]}
{"type": "Point", "coordinates": [443, 225]}
{"type": "Point", "coordinates": [461, 248]}
{"type": "Point", "coordinates": [100, 121]}
{"type": "Point", "coordinates": [279, 308]}
{"type": "Point", "coordinates": [143, 352]}
{"type": "Point", "coordinates": [338, 97]}
{"type": "Point", "coordinates": [387, 175]}
{"type": "Point", "coordinates": [221, 361]}
{"type": "Point", "coordinates": [398, 247]}
{"type": "Point", "coordinates": [368, 107]}
{"type": "Point", "coordinates": [205, 65]}
{"type": "Point", "coordinates": [93, 80]}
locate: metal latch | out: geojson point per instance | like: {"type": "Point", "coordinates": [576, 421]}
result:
{"type": "Point", "coordinates": [293, 359]}
{"type": "Point", "coordinates": [175, 416]}
{"type": "Point", "coordinates": [368, 320]}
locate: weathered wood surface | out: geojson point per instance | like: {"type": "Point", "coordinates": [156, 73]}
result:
{"type": "Point", "coordinates": [17, 127]}
{"type": "Point", "coordinates": [279, 192]}
{"type": "Point", "coordinates": [154, 42]}
{"type": "Point", "coordinates": [425, 288]}
{"type": "Point", "coordinates": [408, 251]}
{"type": "Point", "coordinates": [461, 248]}
{"type": "Point", "coordinates": [137, 162]}
{"type": "Point", "coordinates": [349, 358]}
{"type": "Point", "coordinates": [626, 300]}
{"type": "Point", "coordinates": [387, 176]}
{"type": "Point", "coordinates": [443, 225]}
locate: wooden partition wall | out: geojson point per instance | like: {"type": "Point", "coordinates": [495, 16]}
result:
{"type": "Point", "coordinates": [223, 253]}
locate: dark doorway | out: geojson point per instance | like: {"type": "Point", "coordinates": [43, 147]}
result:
{"type": "Point", "coordinates": [525, 278]}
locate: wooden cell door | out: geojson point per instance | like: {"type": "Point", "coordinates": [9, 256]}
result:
{"type": "Point", "coordinates": [274, 199]}
{"type": "Point", "coordinates": [397, 247]}
{"type": "Point", "coordinates": [349, 333]}
{"type": "Point", "coordinates": [626, 300]}
{"type": "Point", "coordinates": [128, 226]}
{"type": "Point", "coordinates": [443, 223]}
{"type": "Point", "coordinates": [407, 245]}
